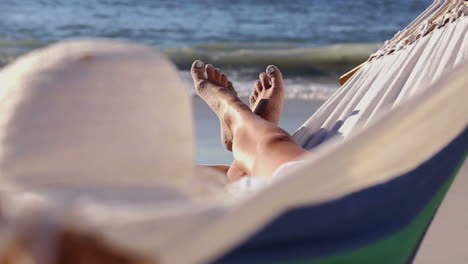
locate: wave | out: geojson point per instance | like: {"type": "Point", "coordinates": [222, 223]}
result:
{"type": "Point", "coordinates": [290, 58]}
{"type": "Point", "coordinates": [328, 60]}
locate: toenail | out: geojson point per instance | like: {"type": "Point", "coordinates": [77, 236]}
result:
{"type": "Point", "coordinates": [270, 69]}
{"type": "Point", "coordinates": [199, 64]}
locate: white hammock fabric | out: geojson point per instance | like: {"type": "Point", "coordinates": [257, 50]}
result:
{"type": "Point", "coordinates": [386, 82]}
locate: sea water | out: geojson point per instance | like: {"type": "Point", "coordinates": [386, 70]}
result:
{"type": "Point", "coordinates": [299, 34]}
{"type": "Point", "coordinates": [311, 41]}
{"type": "Point", "coordinates": [318, 39]}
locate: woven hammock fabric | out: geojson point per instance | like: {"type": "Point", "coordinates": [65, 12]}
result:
{"type": "Point", "coordinates": [385, 82]}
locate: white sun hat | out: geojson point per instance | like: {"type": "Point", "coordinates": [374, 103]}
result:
{"type": "Point", "coordinates": [96, 117]}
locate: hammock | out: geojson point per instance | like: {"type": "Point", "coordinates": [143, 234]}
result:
{"type": "Point", "coordinates": [396, 136]}
{"type": "Point", "coordinates": [386, 81]}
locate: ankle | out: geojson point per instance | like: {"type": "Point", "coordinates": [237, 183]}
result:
{"type": "Point", "coordinates": [235, 115]}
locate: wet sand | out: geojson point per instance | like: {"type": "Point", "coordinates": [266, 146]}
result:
{"type": "Point", "coordinates": [209, 149]}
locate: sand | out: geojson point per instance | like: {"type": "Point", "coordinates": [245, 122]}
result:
{"type": "Point", "coordinates": [446, 240]}
{"type": "Point", "coordinates": [209, 149]}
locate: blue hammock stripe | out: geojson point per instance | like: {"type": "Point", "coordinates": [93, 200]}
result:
{"type": "Point", "coordinates": [352, 222]}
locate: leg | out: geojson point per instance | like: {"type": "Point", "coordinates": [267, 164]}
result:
{"type": "Point", "coordinates": [266, 101]}
{"type": "Point", "coordinates": [259, 146]}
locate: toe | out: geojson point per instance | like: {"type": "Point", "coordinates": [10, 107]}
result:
{"type": "Point", "coordinates": [258, 86]}
{"type": "Point", "coordinates": [275, 75]}
{"type": "Point", "coordinates": [224, 80]}
{"type": "Point", "coordinates": [252, 100]}
{"type": "Point", "coordinates": [253, 96]}
{"type": "Point", "coordinates": [217, 75]}
{"type": "Point", "coordinates": [210, 72]}
{"type": "Point", "coordinates": [265, 80]}
{"type": "Point", "coordinates": [198, 70]}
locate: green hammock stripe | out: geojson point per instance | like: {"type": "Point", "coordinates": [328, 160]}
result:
{"type": "Point", "coordinates": [398, 247]}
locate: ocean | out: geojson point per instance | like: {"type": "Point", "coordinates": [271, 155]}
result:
{"type": "Point", "coordinates": [313, 42]}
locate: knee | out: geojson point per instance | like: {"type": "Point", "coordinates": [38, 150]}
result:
{"type": "Point", "coordinates": [273, 141]}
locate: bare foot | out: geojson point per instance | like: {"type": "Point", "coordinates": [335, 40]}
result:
{"type": "Point", "coordinates": [266, 101]}
{"type": "Point", "coordinates": [267, 96]}
{"type": "Point", "coordinates": [217, 91]}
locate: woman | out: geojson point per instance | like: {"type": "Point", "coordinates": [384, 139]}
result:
{"type": "Point", "coordinates": [259, 146]}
